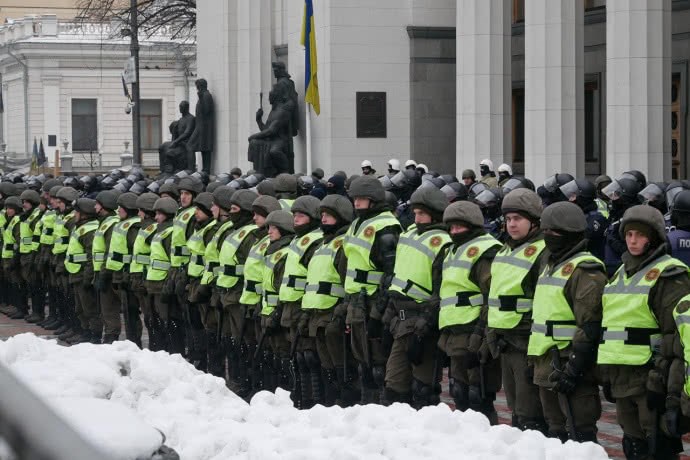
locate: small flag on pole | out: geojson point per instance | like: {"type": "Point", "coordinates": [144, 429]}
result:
{"type": "Point", "coordinates": [41, 154]}
{"type": "Point", "coordinates": [311, 84]}
{"type": "Point", "coordinates": [125, 88]}
{"type": "Point", "coordinates": [34, 157]}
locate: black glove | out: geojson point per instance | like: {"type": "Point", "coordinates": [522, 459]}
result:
{"type": "Point", "coordinates": [656, 401]}
{"type": "Point", "coordinates": [670, 423]}
{"type": "Point", "coordinates": [336, 326]}
{"type": "Point", "coordinates": [608, 395]}
{"type": "Point", "coordinates": [374, 328]}
{"type": "Point", "coordinates": [203, 293]}
{"type": "Point", "coordinates": [565, 380]}
{"type": "Point", "coordinates": [415, 349]}
{"type": "Point", "coordinates": [274, 320]}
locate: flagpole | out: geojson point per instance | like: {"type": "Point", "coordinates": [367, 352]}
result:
{"type": "Point", "coordinates": [308, 135]}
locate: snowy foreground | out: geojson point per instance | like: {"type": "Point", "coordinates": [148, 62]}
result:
{"type": "Point", "coordinates": [202, 419]}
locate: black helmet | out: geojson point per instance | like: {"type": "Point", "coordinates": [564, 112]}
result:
{"type": "Point", "coordinates": [489, 198]}
{"type": "Point", "coordinates": [579, 188]}
{"type": "Point", "coordinates": [682, 202]}
{"type": "Point", "coordinates": [653, 192]}
{"type": "Point", "coordinates": [622, 188]}
{"type": "Point", "coordinates": [305, 184]}
{"type": "Point", "coordinates": [455, 191]}
{"type": "Point", "coordinates": [514, 183]}
{"type": "Point", "coordinates": [238, 184]}
{"type": "Point", "coordinates": [475, 189]}
{"type": "Point", "coordinates": [223, 178]}
{"type": "Point", "coordinates": [672, 191]}
{"type": "Point", "coordinates": [552, 183]}
{"type": "Point", "coordinates": [449, 178]}
{"type": "Point", "coordinates": [637, 176]}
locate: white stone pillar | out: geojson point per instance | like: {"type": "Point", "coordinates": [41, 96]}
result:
{"type": "Point", "coordinates": [51, 113]}
{"type": "Point", "coordinates": [483, 67]}
{"type": "Point", "coordinates": [554, 88]}
{"type": "Point", "coordinates": [638, 87]}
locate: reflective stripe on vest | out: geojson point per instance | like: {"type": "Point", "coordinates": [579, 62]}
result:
{"type": "Point", "coordinates": [294, 280]}
{"type": "Point", "coordinates": [76, 256]}
{"type": "Point", "coordinates": [553, 318]}
{"type": "Point", "coordinates": [324, 287]}
{"type": "Point", "coordinates": [119, 254]}
{"type": "Point", "coordinates": [361, 273]}
{"type": "Point", "coordinates": [414, 256]}
{"type": "Point", "coordinates": [270, 296]}
{"type": "Point", "coordinates": [683, 324]}
{"type": "Point", "coordinates": [461, 299]}
{"type": "Point", "coordinates": [507, 301]}
{"type": "Point", "coordinates": [26, 233]}
{"type": "Point", "coordinates": [47, 235]}
{"type": "Point", "coordinates": [179, 252]}
{"type": "Point", "coordinates": [142, 249]}
{"type": "Point", "coordinates": [253, 272]}
{"type": "Point", "coordinates": [160, 259]}
{"type": "Point", "coordinates": [197, 248]}
{"type": "Point", "coordinates": [61, 233]}
{"type": "Point", "coordinates": [230, 271]}
{"type": "Point", "coordinates": [630, 329]}
{"type": "Point", "coordinates": [9, 244]}
{"type": "Point", "coordinates": [602, 207]}
{"type": "Point", "coordinates": [98, 251]}
{"type": "Point", "coordinates": [213, 252]}
{"type": "Point", "coordinates": [286, 204]}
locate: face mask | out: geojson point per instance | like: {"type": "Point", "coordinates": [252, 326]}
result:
{"type": "Point", "coordinates": [329, 229]}
{"type": "Point", "coordinates": [503, 175]}
{"type": "Point", "coordinates": [235, 217]}
{"type": "Point", "coordinates": [484, 170]}
{"type": "Point", "coordinates": [556, 243]}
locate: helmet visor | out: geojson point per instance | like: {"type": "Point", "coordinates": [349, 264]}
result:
{"type": "Point", "coordinates": [512, 184]}
{"type": "Point", "coordinates": [613, 190]}
{"type": "Point", "coordinates": [449, 192]}
{"type": "Point", "coordinates": [476, 189]}
{"type": "Point", "coordinates": [570, 190]}
{"type": "Point", "coordinates": [551, 184]}
{"type": "Point", "coordinates": [671, 195]}
{"type": "Point", "coordinates": [651, 192]}
{"type": "Point", "coordinates": [398, 180]}
{"type": "Point", "coordinates": [426, 184]}
{"type": "Point", "coordinates": [386, 182]}
{"type": "Point", "coordinates": [486, 198]}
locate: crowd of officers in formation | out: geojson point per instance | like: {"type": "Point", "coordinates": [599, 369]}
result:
{"type": "Point", "coordinates": [362, 289]}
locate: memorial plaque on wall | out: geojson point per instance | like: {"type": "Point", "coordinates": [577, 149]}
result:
{"type": "Point", "coordinates": [371, 114]}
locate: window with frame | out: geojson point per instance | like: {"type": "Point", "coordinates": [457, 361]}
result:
{"type": "Point", "coordinates": [84, 125]}
{"type": "Point", "coordinates": [151, 120]}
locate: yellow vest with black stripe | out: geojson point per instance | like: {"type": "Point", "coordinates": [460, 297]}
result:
{"type": "Point", "coordinates": [230, 271]}
{"type": "Point", "coordinates": [553, 320]}
{"type": "Point", "coordinates": [179, 251]}
{"type": "Point", "coordinates": [252, 290]}
{"type": "Point", "coordinates": [683, 324]}
{"type": "Point", "coordinates": [76, 256]}
{"type": "Point", "coordinates": [286, 204]}
{"type": "Point", "coordinates": [27, 244]}
{"type": "Point", "coordinates": [414, 258]}
{"type": "Point", "coordinates": [630, 332]}
{"type": "Point", "coordinates": [160, 259]}
{"type": "Point", "coordinates": [141, 251]}
{"type": "Point", "coordinates": [361, 273]}
{"type": "Point", "coordinates": [212, 254]}
{"type": "Point", "coordinates": [61, 233]}
{"type": "Point", "coordinates": [9, 245]}
{"type": "Point", "coordinates": [295, 275]}
{"type": "Point", "coordinates": [98, 251]}
{"type": "Point", "coordinates": [269, 299]}
{"type": "Point", "coordinates": [47, 227]}
{"type": "Point", "coordinates": [507, 300]}
{"type": "Point", "coordinates": [602, 207]}
{"type": "Point", "coordinates": [461, 299]}
{"type": "Point", "coordinates": [197, 248]}
{"type": "Point", "coordinates": [324, 286]}
{"type": "Point", "coordinates": [119, 255]}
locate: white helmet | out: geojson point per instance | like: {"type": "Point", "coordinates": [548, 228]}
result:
{"type": "Point", "coordinates": [394, 164]}
{"type": "Point", "coordinates": [505, 168]}
{"type": "Point", "coordinates": [424, 167]}
{"type": "Point", "coordinates": [366, 164]}
{"type": "Point", "coordinates": [410, 163]}
{"type": "Point", "coordinates": [487, 162]}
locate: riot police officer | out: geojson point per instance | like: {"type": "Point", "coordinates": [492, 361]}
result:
{"type": "Point", "coordinates": [679, 236]}
{"type": "Point", "coordinates": [583, 193]}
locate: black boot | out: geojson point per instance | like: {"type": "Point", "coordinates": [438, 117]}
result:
{"type": "Point", "coordinates": [216, 355]}
{"type": "Point", "coordinates": [424, 395]}
{"type": "Point", "coordinates": [110, 338]}
{"type": "Point", "coordinates": [390, 396]}
{"type": "Point", "coordinates": [175, 334]}
{"type": "Point", "coordinates": [634, 448]}
{"type": "Point", "coordinates": [245, 371]}
{"type": "Point", "coordinates": [349, 394]}
{"type": "Point", "coordinates": [198, 349]}
{"type": "Point", "coordinates": [460, 393]}
{"type": "Point", "coordinates": [84, 337]}
{"type": "Point", "coordinates": [331, 389]}
{"type": "Point", "coordinates": [537, 424]}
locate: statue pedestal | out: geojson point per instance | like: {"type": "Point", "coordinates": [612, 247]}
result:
{"type": "Point", "coordinates": [66, 163]}
{"type": "Point", "coordinates": [126, 159]}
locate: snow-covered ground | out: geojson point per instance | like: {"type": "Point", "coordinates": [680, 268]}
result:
{"type": "Point", "coordinates": [202, 419]}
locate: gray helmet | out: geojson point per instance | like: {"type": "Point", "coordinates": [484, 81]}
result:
{"type": "Point", "coordinates": [429, 197]}
{"type": "Point", "coordinates": [522, 200]}
{"type": "Point", "coordinates": [464, 211]}
{"type": "Point", "coordinates": [318, 173]}
{"type": "Point", "coordinates": [54, 190]}
{"type": "Point", "coordinates": [204, 200]}
{"type": "Point", "coordinates": [646, 215]}
{"type": "Point", "coordinates": [266, 188]}
{"type": "Point", "coordinates": [244, 199]}
{"type": "Point", "coordinates": [564, 216]}
{"type": "Point", "coordinates": [8, 189]}
{"type": "Point", "coordinates": [338, 206]}
{"type": "Point", "coordinates": [191, 184]}
{"type": "Point", "coordinates": [367, 187]}
{"type": "Point", "coordinates": [31, 196]}
{"type": "Point", "coordinates": [68, 194]}
{"type": "Point", "coordinates": [146, 201]}
{"type": "Point", "coordinates": [108, 199]}
{"type": "Point", "coordinates": [85, 206]}
{"type": "Point", "coordinates": [50, 183]}
{"type": "Point", "coordinates": [308, 205]}
{"type": "Point", "coordinates": [166, 206]}
{"type": "Point", "coordinates": [127, 200]}
{"type": "Point", "coordinates": [285, 183]}
{"type": "Point", "coordinates": [170, 189]}
{"type": "Point", "coordinates": [267, 204]}
{"type": "Point", "coordinates": [210, 188]}
{"type": "Point", "coordinates": [222, 197]}
{"type": "Point", "coordinates": [282, 220]}
{"type": "Point", "coordinates": [13, 202]}
{"type": "Point", "coordinates": [469, 174]}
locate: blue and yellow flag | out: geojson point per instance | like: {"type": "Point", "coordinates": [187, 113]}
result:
{"type": "Point", "coordinates": [311, 84]}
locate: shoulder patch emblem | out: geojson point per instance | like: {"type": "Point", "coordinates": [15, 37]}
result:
{"type": "Point", "coordinates": [435, 241]}
{"type": "Point", "coordinates": [186, 215]}
{"type": "Point", "coordinates": [652, 274]}
{"type": "Point", "coordinates": [472, 251]}
{"type": "Point", "coordinates": [242, 233]}
{"type": "Point", "coordinates": [126, 225]}
{"type": "Point", "coordinates": [304, 241]}
{"type": "Point", "coordinates": [369, 231]}
{"type": "Point", "coordinates": [568, 269]}
{"type": "Point", "coordinates": [338, 244]}
{"type": "Point", "coordinates": [263, 246]}
{"type": "Point", "coordinates": [530, 251]}
{"type": "Point", "coordinates": [149, 228]}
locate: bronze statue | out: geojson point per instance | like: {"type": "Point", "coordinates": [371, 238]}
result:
{"type": "Point", "coordinates": [174, 155]}
{"type": "Point", "coordinates": [203, 135]}
{"type": "Point", "coordinates": [271, 150]}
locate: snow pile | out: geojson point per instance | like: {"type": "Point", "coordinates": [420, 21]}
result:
{"type": "Point", "coordinates": [202, 419]}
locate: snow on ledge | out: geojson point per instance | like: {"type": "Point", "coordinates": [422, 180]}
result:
{"type": "Point", "coordinates": [202, 419]}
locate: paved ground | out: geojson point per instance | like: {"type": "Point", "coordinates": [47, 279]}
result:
{"type": "Point", "coordinates": [609, 432]}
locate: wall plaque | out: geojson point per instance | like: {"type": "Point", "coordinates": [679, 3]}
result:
{"type": "Point", "coordinates": [371, 114]}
